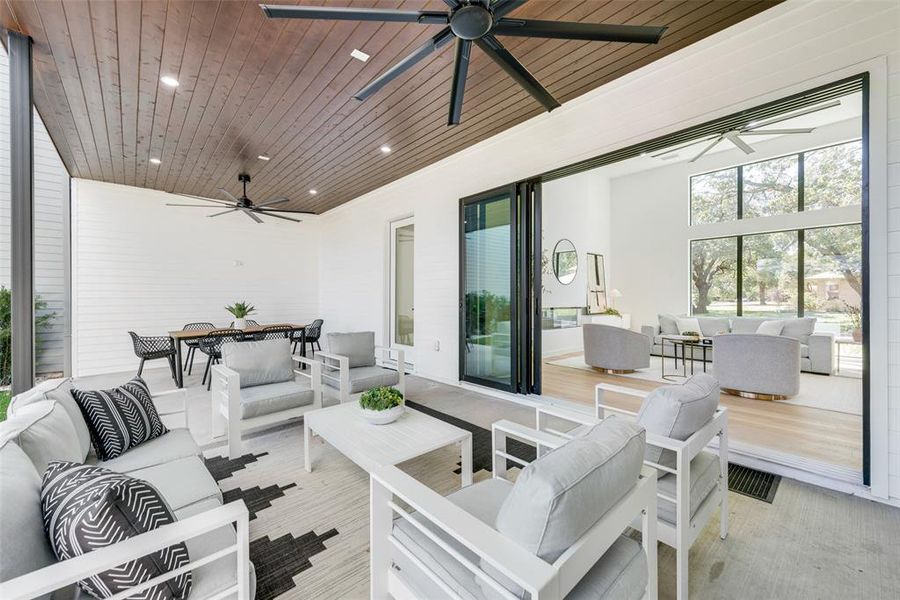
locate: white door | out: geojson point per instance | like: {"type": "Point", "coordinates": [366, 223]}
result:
{"type": "Point", "coordinates": [402, 265]}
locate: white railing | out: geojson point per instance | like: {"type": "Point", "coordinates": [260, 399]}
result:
{"type": "Point", "coordinates": [64, 573]}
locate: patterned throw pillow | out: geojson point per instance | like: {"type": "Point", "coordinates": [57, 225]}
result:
{"type": "Point", "coordinates": [86, 508]}
{"type": "Point", "coordinates": [120, 418]}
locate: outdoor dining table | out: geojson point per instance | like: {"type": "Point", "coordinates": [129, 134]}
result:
{"type": "Point", "coordinates": [182, 335]}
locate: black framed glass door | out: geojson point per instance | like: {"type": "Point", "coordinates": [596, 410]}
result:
{"type": "Point", "coordinates": [497, 303]}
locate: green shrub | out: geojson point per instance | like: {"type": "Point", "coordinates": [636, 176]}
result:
{"type": "Point", "coordinates": [4, 404]}
{"type": "Point", "coordinates": [381, 398]}
{"type": "Point", "coordinates": [41, 321]}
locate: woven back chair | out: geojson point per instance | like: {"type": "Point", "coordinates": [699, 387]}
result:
{"type": "Point", "coordinates": [152, 347]}
{"type": "Point", "coordinates": [310, 335]}
{"type": "Point", "coordinates": [211, 345]}
{"type": "Point", "coordinates": [192, 345]}
{"type": "Point", "coordinates": [274, 332]}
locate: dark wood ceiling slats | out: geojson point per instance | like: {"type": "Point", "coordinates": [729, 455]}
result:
{"type": "Point", "coordinates": [250, 85]}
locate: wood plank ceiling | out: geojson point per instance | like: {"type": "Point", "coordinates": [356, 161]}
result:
{"type": "Point", "coordinates": [251, 86]}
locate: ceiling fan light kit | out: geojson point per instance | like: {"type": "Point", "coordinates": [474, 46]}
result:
{"type": "Point", "coordinates": [468, 22]}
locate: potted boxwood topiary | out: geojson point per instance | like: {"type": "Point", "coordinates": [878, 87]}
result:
{"type": "Point", "coordinates": [381, 405]}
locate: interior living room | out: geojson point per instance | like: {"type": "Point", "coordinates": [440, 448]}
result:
{"type": "Point", "coordinates": [466, 299]}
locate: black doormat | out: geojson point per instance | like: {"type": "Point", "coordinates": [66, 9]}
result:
{"type": "Point", "coordinates": [752, 483]}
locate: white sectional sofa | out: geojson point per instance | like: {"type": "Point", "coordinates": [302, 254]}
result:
{"type": "Point", "coordinates": [45, 424]}
{"type": "Point", "coordinates": [816, 348]}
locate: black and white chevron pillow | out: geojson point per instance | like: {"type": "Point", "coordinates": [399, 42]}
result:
{"type": "Point", "coordinates": [86, 508]}
{"type": "Point", "coordinates": [120, 418]}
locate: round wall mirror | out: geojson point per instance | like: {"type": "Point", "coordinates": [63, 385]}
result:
{"type": "Point", "coordinates": [565, 261]}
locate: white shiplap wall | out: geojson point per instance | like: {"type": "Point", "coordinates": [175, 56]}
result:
{"type": "Point", "coordinates": [51, 194]}
{"type": "Point", "coordinates": [140, 265]}
{"type": "Point", "coordinates": [787, 49]}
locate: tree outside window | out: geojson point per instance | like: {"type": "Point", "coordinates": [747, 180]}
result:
{"type": "Point", "coordinates": [714, 276]}
{"type": "Point", "coordinates": [714, 197]}
{"type": "Point", "coordinates": [771, 187]}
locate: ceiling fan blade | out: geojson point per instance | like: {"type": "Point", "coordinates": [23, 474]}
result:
{"type": "Point", "coordinates": [193, 205]}
{"type": "Point", "coordinates": [283, 210]}
{"type": "Point", "coordinates": [799, 113]}
{"type": "Point", "coordinates": [224, 212]}
{"type": "Point", "coordinates": [442, 37]}
{"type": "Point", "coordinates": [271, 214]}
{"type": "Point", "coordinates": [272, 201]}
{"type": "Point", "coordinates": [493, 48]}
{"type": "Point", "coordinates": [275, 11]}
{"type": "Point", "coordinates": [777, 131]}
{"type": "Point", "coordinates": [683, 146]}
{"type": "Point", "coordinates": [250, 214]}
{"type": "Point", "coordinates": [596, 32]}
{"type": "Point", "coordinates": [192, 197]}
{"type": "Point", "coordinates": [735, 138]}
{"type": "Point", "coordinates": [460, 70]}
{"type": "Point", "coordinates": [708, 148]}
{"type": "Point", "coordinates": [504, 7]}
{"type": "Point", "coordinates": [230, 196]}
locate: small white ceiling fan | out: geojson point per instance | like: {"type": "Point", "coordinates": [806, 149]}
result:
{"type": "Point", "coordinates": [753, 128]}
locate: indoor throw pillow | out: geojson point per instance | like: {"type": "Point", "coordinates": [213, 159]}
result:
{"type": "Point", "coordinates": [86, 508]}
{"type": "Point", "coordinates": [120, 418]}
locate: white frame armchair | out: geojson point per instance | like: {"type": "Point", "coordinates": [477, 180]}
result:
{"type": "Point", "coordinates": [684, 533]}
{"type": "Point", "coordinates": [225, 400]}
{"type": "Point", "coordinates": [343, 369]}
{"type": "Point", "coordinates": [542, 580]}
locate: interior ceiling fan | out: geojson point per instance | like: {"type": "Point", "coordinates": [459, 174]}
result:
{"type": "Point", "coordinates": [478, 22]}
{"type": "Point", "coordinates": [243, 204]}
{"type": "Point", "coordinates": [753, 128]}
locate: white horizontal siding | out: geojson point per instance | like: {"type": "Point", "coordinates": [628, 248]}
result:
{"type": "Point", "coordinates": [139, 265]}
{"type": "Point", "coordinates": [51, 193]}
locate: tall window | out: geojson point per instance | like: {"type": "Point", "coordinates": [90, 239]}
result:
{"type": "Point", "coordinates": [833, 177]}
{"type": "Point", "coordinates": [770, 187]}
{"type": "Point", "coordinates": [769, 274]}
{"type": "Point", "coordinates": [714, 276]}
{"type": "Point", "coordinates": [714, 197]}
{"type": "Point", "coordinates": [833, 276]}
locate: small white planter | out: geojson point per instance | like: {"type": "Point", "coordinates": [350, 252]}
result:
{"type": "Point", "coordinates": [382, 417]}
{"type": "Point", "coordinates": [240, 323]}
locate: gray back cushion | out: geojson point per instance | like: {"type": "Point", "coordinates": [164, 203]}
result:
{"type": "Point", "coordinates": [22, 536]}
{"type": "Point", "coordinates": [710, 326]}
{"type": "Point", "coordinates": [668, 324]}
{"type": "Point", "coordinates": [800, 329]}
{"type": "Point", "coordinates": [44, 432]}
{"type": "Point", "coordinates": [359, 347]}
{"type": "Point", "coordinates": [59, 390]}
{"type": "Point", "coordinates": [260, 363]}
{"type": "Point", "coordinates": [677, 411]}
{"type": "Point", "coordinates": [561, 495]}
{"type": "Point", "coordinates": [745, 324]}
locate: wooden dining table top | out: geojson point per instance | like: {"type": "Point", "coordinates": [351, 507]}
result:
{"type": "Point", "coordinates": [192, 334]}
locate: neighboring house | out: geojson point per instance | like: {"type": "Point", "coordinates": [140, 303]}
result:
{"type": "Point", "coordinates": [831, 287]}
{"type": "Point", "coordinates": [51, 195]}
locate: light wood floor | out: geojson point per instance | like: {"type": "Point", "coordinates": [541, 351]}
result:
{"type": "Point", "coordinates": [821, 435]}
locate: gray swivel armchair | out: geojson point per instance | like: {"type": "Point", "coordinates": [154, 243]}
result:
{"type": "Point", "coordinates": [752, 365]}
{"type": "Point", "coordinates": [614, 349]}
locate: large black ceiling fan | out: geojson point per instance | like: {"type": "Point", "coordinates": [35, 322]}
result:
{"type": "Point", "coordinates": [243, 204]}
{"type": "Point", "coordinates": [478, 22]}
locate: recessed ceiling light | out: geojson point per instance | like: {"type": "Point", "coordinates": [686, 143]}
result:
{"type": "Point", "coordinates": [313, 192]}
{"type": "Point", "coordinates": [359, 55]}
{"type": "Point", "coordinates": [155, 161]}
{"type": "Point", "coordinates": [169, 81]}
{"type": "Point", "coordinates": [264, 157]}
{"type": "Point", "coordinates": [386, 149]}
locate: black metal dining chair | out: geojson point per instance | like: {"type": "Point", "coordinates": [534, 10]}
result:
{"type": "Point", "coordinates": [211, 346]}
{"type": "Point", "coordinates": [312, 333]}
{"type": "Point", "coordinates": [192, 345]}
{"type": "Point", "coordinates": [274, 332]}
{"type": "Point", "coordinates": [152, 347]}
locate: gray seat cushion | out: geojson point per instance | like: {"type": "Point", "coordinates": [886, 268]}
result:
{"type": "Point", "coordinates": [800, 329]}
{"type": "Point", "coordinates": [175, 444]}
{"type": "Point", "coordinates": [44, 431]}
{"type": "Point", "coordinates": [358, 347]}
{"type": "Point", "coordinates": [710, 326]}
{"type": "Point", "coordinates": [621, 574]}
{"type": "Point", "coordinates": [219, 574]}
{"type": "Point", "coordinates": [20, 514]}
{"type": "Point", "coordinates": [59, 390]}
{"type": "Point", "coordinates": [275, 397]}
{"type": "Point", "coordinates": [364, 378]}
{"type": "Point", "coordinates": [677, 411]}
{"type": "Point", "coordinates": [260, 363]}
{"type": "Point", "coordinates": [181, 482]}
{"type": "Point", "coordinates": [745, 324]}
{"type": "Point", "coordinates": [562, 494]}
{"type": "Point", "coordinates": [704, 478]}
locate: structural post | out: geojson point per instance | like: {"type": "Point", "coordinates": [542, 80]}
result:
{"type": "Point", "coordinates": [21, 128]}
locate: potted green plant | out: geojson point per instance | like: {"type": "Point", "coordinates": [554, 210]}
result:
{"type": "Point", "coordinates": [240, 310]}
{"type": "Point", "coordinates": [381, 405]}
{"type": "Point", "coordinates": [854, 313]}
{"type": "Point", "coordinates": [611, 312]}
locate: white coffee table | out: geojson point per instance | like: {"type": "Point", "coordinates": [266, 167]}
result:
{"type": "Point", "coordinates": [370, 446]}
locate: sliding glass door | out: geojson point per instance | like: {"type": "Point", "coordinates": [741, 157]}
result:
{"type": "Point", "coordinates": [497, 303]}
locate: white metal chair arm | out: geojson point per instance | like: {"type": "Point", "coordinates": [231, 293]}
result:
{"type": "Point", "coordinates": [343, 362]}
{"type": "Point", "coordinates": [45, 581]}
{"type": "Point", "coordinates": [505, 555]}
